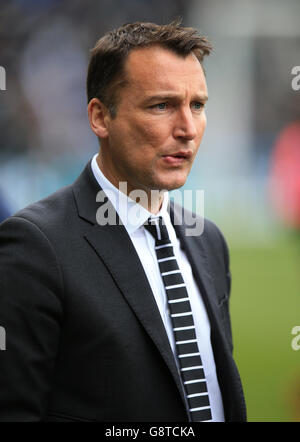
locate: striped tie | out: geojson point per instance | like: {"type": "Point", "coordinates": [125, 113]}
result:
{"type": "Point", "coordinates": [189, 360]}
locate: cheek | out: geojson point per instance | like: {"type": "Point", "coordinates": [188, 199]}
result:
{"type": "Point", "coordinates": [203, 122]}
{"type": "Point", "coordinates": [152, 133]}
{"type": "Point", "coordinates": [202, 126]}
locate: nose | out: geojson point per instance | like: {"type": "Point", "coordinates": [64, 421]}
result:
{"type": "Point", "coordinates": [185, 126]}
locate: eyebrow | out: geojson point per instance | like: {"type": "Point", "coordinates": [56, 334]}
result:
{"type": "Point", "coordinates": [168, 96]}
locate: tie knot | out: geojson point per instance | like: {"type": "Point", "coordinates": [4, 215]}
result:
{"type": "Point", "coordinates": [158, 229]}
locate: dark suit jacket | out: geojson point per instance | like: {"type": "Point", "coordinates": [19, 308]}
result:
{"type": "Point", "coordinates": [84, 337]}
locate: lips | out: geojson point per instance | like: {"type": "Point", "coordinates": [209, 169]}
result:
{"type": "Point", "coordinates": [179, 154]}
{"type": "Point", "coordinates": [177, 158]}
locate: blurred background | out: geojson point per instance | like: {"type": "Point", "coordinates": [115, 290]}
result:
{"type": "Point", "coordinates": [248, 163]}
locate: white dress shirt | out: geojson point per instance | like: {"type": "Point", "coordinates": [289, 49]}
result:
{"type": "Point", "coordinates": [133, 216]}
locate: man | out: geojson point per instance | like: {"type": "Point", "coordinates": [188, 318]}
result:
{"type": "Point", "coordinates": [94, 332]}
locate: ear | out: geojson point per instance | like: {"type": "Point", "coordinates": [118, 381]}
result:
{"type": "Point", "coordinates": [98, 116]}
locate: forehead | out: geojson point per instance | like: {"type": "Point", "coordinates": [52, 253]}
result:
{"type": "Point", "coordinates": [159, 68]}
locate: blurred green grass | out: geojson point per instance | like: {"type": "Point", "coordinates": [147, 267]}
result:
{"type": "Point", "coordinates": [265, 306]}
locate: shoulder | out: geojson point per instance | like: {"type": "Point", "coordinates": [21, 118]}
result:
{"type": "Point", "coordinates": [214, 237]}
{"type": "Point", "coordinates": [199, 227]}
{"type": "Point", "coordinates": [37, 229]}
{"type": "Point", "coordinates": [50, 210]}
{"type": "Point", "coordinates": [202, 233]}
{"type": "Point", "coordinates": [41, 217]}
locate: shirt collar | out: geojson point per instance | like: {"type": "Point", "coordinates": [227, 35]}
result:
{"type": "Point", "coordinates": [131, 213]}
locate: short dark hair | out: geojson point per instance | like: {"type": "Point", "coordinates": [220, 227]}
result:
{"type": "Point", "coordinates": [106, 67]}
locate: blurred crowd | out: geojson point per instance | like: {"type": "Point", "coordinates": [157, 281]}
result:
{"type": "Point", "coordinates": [44, 47]}
{"type": "Point", "coordinates": [45, 136]}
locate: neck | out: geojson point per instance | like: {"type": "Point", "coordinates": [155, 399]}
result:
{"type": "Point", "coordinates": [150, 199]}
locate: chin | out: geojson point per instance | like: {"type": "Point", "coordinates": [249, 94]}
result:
{"type": "Point", "coordinates": [172, 184]}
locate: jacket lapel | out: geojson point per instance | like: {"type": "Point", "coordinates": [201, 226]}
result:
{"type": "Point", "coordinates": [115, 248]}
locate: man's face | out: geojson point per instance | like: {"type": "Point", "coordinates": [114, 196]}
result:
{"type": "Point", "coordinates": [152, 141]}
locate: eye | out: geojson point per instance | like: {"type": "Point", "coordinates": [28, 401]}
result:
{"type": "Point", "coordinates": [197, 105]}
{"type": "Point", "coordinates": [159, 106]}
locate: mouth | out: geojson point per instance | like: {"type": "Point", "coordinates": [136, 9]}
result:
{"type": "Point", "coordinates": [177, 158]}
